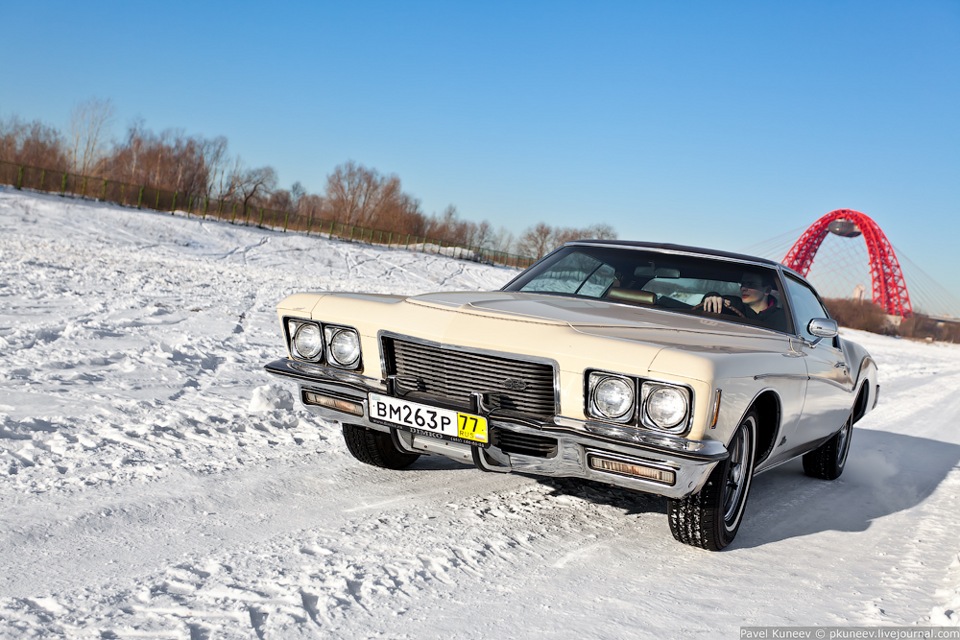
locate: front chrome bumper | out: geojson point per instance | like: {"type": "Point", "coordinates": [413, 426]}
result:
{"type": "Point", "coordinates": [579, 444]}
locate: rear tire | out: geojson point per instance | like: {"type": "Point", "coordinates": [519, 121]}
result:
{"type": "Point", "coordinates": [711, 518]}
{"type": "Point", "coordinates": [375, 448]}
{"type": "Point", "coordinates": [827, 461]}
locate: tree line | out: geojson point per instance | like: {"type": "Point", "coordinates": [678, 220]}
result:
{"type": "Point", "coordinates": [195, 166]}
{"type": "Point", "coordinates": [868, 316]}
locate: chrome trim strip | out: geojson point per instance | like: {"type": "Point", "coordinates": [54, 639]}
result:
{"type": "Point", "coordinates": [832, 383]}
{"type": "Point", "coordinates": [782, 376]}
{"type": "Point", "coordinates": [638, 437]}
{"type": "Point", "coordinates": [307, 372]}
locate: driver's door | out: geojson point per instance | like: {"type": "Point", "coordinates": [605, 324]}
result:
{"type": "Point", "coordinates": [830, 386]}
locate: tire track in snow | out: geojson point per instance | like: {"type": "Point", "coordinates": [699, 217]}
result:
{"type": "Point", "coordinates": [329, 580]}
{"type": "Point", "coordinates": [313, 564]}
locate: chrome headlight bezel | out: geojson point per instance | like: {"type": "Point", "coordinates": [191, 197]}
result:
{"type": "Point", "coordinates": [600, 381]}
{"type": "Point", "coordinates": [300, 332]}
{"type": "Point", "coordinates": [646, 411]}
{"type": "Point", "coordinates": [323, 353]}
{"type": "Point", "coordinates": [334, 336]}
{"type": "Point", "coordinates": [657, 413]}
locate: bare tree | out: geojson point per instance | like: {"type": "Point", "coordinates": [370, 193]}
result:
{"type": "Point", "coordinates": [559, 236]}
{"type": "Point", "coordinates": [32, 143]}
{"type": "Point", "coordinates": [600, 231]}
{"type": "Point", "coordinates": [281, 200]}
{"type": "Point", "coordinates": [536, 241]}
{"type": "Point", "coordinates": [361, 196]}
{"type": "Point", "coordinates": [297, 192]}
{"type": "Point", "coordinates": [503, 241]}
{"type": "Point", "coordinates": [126, 159]}
{"type": "Point", "coordinates": [449, 228]}
{"type": "Point", "coordinates": [88, 128]}
{"type": "Point", "coordinates": [171, 160]}
{"type": "Point", "coordinates": [357, 195]}
{"type": "Point", "coordinates": [186, 170]}
{"type": "Point", "coordinates": [540, 239]}
{"type": "Point", "coordinates": [483, 235]}
{"type": "Point", "coordinates": [215, 159]}
{"type": "Point", "coordinates": [310, 209]}
{"type": "Point", "coordinates": [252, 186]}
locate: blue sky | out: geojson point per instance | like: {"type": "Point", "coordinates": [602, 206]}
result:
{"type": "Point", "coordinates": [721, 124]}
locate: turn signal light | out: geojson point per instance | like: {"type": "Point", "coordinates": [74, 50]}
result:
{"type": "Point", "coordinates": [619, 467]}
{"type": "Point", "coordinates": [346, 406]}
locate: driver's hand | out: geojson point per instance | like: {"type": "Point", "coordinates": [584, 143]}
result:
{"type": "Point", "coordinates": [714, 304]}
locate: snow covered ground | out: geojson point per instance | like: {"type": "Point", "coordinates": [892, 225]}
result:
{"type": "Point", "coordinates": [156, 482]}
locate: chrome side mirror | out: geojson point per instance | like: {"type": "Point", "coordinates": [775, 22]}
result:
{"type": "Point", "coordinates": [823, 328]}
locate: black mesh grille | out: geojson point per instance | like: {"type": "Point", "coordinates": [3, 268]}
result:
{"type": "Point", "coordinates": [526, 444]}
{"type": "Point", "coordinates": [515, 385]}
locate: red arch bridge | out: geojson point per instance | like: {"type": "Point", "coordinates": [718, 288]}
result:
{"type": "Point", "coordinates": [889, 289]}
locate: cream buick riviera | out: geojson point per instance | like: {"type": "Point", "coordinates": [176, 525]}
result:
{"type": "Point", "coordinates": [604, 361]}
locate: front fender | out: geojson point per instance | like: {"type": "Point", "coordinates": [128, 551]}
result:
{"type": "Point", "coordinates": [859, 360]}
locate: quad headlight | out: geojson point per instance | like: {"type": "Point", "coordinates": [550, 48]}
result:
{"type": "Point", "coordinates": [317, 342]}
{"type": "Point", "coordinates": [344, 350]}
{"type": "Point", "coordinates": [612, 397]}
{"type": "Point", "coordinates": [665, 406]}
{"type": "Point", "coordinates": [307, 340]}
{"type": "Point", "coordinates": [629, 400]}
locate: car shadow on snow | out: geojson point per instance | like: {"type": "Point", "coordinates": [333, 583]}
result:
{"type": "Point", "coordinates": [440, 463]}
{"type": "Point", "coordinates": [886, 473]}
{"type": "Point", "coordinates": [630, 502]}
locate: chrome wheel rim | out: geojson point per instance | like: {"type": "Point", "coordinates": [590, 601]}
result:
{"type": "Point", "coordinates": [735, 483]}
{"type": "Point", "coordinates": [843, 443]}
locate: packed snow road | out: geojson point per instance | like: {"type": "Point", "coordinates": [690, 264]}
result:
{"type": "Point", "coordinates": [155, 482]}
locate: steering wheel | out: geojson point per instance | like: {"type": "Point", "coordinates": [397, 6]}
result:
{"type": "Point", "coordinates": [724, 310]}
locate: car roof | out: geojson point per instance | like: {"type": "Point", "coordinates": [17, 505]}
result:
{"type": "Point", "coordinates": [679, 248]}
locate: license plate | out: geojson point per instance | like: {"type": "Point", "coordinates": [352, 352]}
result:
{"type": "Point", "coordinates": [430, 421]}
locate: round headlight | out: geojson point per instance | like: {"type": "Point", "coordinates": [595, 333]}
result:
{"type": "Point", "coordinates": [666, 407]}
{"type": "Point", "coordinates": [613, 397]}
{"type": "Point", "coordinates": [345, 348]}
{"type": "Point", "coordinates": [308, 341]}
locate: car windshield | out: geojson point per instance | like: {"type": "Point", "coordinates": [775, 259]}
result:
{"type": "Point", "coordinates": [673, 282]}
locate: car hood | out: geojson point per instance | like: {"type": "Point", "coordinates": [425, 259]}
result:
{"type": "Point", "coordinates": [578, 332]}
{"type": "Point", "coordinates": [592, 317]}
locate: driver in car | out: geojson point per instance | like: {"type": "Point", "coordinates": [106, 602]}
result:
{"type": "Point", "coordinates": [755, 302]}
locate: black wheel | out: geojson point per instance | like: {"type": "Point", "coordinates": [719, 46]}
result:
{"type": "Point", "coordinates": [376, 448]}
{"type": "Point", "coordinates": [827, 461]}
{"type": "Point", "coordinates": [711, 518]}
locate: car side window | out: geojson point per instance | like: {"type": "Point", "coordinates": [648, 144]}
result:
{"type": "Point", "coordinates": [805, 305]}
{"type": "Point", "coordinates": [598, 282]}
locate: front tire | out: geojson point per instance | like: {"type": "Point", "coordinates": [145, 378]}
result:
{"type": "Point", "coordinates": [827, 461]}
{"type": "Point", "coordinates": [375, 448]}
{"type": "Point", "coordinates": [711, 518]}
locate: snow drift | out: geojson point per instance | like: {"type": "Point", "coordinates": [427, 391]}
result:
{"type": "Point", "coordinates": [155, 482]}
